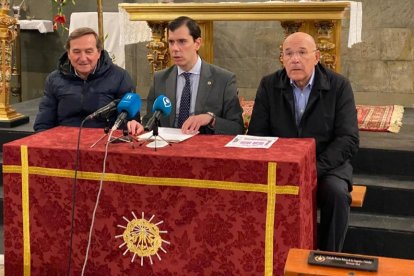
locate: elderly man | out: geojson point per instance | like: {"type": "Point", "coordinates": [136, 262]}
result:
{"type": "Point", "coordinates": [305, 99]}
{"type": "Point", "coordinates": [85, 80]}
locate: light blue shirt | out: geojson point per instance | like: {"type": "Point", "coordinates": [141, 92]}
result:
{"type": "Point", "coordinates": [194, 80]}
{"type": "Point", "coordinates": [301, 97]}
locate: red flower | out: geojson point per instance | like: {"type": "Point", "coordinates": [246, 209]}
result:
{"type": "Point", "coordinates": [60, 18]}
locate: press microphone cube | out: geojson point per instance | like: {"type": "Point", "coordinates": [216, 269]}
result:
{"type": "Point", "coordinates": [161, 107]}
{"type": "Point", "coordinates": [131, 104]}
{"type": "Point", "coordinates": [162, 103]}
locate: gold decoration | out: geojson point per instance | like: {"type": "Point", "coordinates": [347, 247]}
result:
{"type": "Point", "coordinates": [305, 12]}
{"type": "Point", "coordinates": [158, 54]}
{"type": "Point", "coordinates": [142, 238]}
{"type": "Point", "coordinates": [8, 116]}
{"type": "Point", "coordinates": [325, 44]}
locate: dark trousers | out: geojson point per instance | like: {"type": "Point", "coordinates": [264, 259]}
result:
{"type": "Point", "coordinates": [334, 201]}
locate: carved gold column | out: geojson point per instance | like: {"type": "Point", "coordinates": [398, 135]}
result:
{"type": "Point", "coordinates": [158, 55]}
{"type": "Point", "coordinates": [8, 116]}
{"type": "Point", "coordinates": [326, 43]}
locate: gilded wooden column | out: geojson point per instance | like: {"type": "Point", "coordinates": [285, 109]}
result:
{"type": "Point", "coordinates": [8, 116]}
{"type": "Point", "coordinates": [326, 43]}
{"type": "Point", "coordinates": [158, 55]}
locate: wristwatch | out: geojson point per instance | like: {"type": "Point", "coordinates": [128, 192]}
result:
{"type": "Point", "coordinates": [212, 121]}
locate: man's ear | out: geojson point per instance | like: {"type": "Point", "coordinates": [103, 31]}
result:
{"type": "Point", "coordinates": [197, 42]}
{"type": "Point", "coordinates": [317, 56]}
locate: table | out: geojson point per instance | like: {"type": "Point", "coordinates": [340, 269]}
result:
{"type": "Point", "coordinates": [297, 265]}
{"type": "Point", "coordinates": [199, 207]}
{"type": "Point", "coordinates": [43, 26]}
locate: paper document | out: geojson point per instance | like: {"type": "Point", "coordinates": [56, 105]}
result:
{"type": "Point", "coordinates": [172, 135]}
{"type": "Point", "coordinates": [252, 142]}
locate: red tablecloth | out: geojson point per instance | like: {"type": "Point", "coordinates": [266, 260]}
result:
{"type": "Point", "coordinates": [193, 208]}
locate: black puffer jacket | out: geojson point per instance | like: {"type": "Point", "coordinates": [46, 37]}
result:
{"type": "Point", "coordinates": [68, 99]}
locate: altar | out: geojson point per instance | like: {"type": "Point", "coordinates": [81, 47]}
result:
{"type": "Point", "coordinates": [323, 20]}
{"type": "Point", "coordinates": [193, 208]}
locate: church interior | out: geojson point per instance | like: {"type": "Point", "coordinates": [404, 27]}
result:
{"type": "Point", "coordinates": [370, 42]}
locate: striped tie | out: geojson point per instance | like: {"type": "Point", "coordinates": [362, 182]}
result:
{"type": "Point", "coordinates": [185, 100]}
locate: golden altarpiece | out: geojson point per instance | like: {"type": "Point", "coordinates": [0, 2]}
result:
{"type": "Point", "coordinates": [320, 19]}
{"type": "Point", "coordinates": [8, 33]}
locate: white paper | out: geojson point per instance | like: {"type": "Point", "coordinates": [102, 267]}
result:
{"type": "Point", "coordinates": [252, 142]}
{"type": "Point", "coordinates": [172, 135]}
{"type": "Point", "coordinates": [157, 144]}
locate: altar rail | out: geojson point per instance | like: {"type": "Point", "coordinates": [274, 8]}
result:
{"type": "Point", "coordinates": [320, 19]}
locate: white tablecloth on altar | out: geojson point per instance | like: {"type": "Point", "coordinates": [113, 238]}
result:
{"type": "Point", "coordinates": [113, 30]}
{"type": "Point", "coordinates": [43, 26]}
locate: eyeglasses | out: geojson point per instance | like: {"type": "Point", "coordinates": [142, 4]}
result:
{"type": "Point", "coordinates": [301, 53]}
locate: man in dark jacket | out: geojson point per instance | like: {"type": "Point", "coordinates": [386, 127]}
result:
{"type": "Point", "coordinates": [86, 80]}
{"type": "Point", "coordinates": [307, 100]}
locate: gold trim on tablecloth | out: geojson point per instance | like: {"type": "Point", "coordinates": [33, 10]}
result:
{"type": "Point", "coordinates": [271, 189]}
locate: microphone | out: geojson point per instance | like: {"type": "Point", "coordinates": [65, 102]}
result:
{"type": "Point", "coordinates": [162, 106]}
{"type": "Point", "coordinates": [107, 108]}
{"type": "Point", "coordinates": [127, 108]}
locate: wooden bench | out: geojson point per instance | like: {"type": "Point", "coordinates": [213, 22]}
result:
{"type": "Point", "coordinates": [358, 195]}
{"type": "Point", "coordinates": [297, 264]}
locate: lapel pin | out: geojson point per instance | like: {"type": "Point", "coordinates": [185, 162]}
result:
{"type": "Point", "coordinates": [209, 83]}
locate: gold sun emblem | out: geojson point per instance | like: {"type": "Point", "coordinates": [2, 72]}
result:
{"type": "Point", "coordinates": [142, 238]}
{"type": "Point", "coordinates": [319, 258]}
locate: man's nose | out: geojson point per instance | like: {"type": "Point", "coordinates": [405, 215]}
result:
{"type": "Point", "coordinates": [82, 55]}
{"type": "Point", "coordinates": [174, 47]}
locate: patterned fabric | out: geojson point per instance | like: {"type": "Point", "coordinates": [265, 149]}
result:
{"type": "Point", "coordinates": [211, 206]}
{"type": "Point", "coordinates": [185, 102]}
{"type": "Point", "coordinates": [386, 118]}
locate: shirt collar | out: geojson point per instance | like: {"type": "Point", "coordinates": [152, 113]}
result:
{"type": "Point", "coordinates": [195, 70]}
{"type": "Point", "coordinates": [310, 83]}
{"type": "Point", "coordinates": [93, 72]}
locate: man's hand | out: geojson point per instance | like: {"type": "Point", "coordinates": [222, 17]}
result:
{"type": "Point", "coordinates": [193, 123]}
{"type": "Point", "coordinates": [135, 128]}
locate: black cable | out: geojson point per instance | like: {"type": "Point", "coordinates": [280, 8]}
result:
{"type": "Point", "coordinates": [74, 197]}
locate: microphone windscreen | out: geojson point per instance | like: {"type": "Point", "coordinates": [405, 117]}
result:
{"type": "Point", "coordinates": [163, 104]}
{"type": "Point", "coordinates": [130, 103]}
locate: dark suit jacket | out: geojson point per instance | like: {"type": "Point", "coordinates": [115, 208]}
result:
{"type": "Point", "coordinates": [330, 117]}
{"type": "Point", "coordinates": [217, 93]}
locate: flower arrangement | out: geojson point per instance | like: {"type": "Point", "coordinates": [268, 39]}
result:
{"type": "Point", "coordinates": [59, 20]}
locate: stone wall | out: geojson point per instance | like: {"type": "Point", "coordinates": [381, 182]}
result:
{"type": "Point", "coordinates": [380, 68]}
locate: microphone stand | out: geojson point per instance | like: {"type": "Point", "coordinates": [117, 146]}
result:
{"type": "Point", "coordinates": [126, 138]}
{"type": "Point", "coordinates": [106, 131]}
{"type": "Point", "coordinates": [155, 134]}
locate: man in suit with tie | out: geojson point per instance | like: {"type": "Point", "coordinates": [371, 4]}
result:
{"type": "Point", "coordinates": [204, 96]}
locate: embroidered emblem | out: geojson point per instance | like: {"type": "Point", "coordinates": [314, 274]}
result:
{"type": "Point", "coordinates": [319, 259]}
{"type": "Point", "coordinates": [142, 238]}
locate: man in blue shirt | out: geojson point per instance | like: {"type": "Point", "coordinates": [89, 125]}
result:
{"type": "Point", "coordinates": [307, 100]}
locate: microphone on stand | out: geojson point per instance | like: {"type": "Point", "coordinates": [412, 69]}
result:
{"type": "Point", "coordinates": [107, 108]}
{"type": "Point", "coordinates": [128, 108]}
{"type": "Point", "coordinates": [162, 106]}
